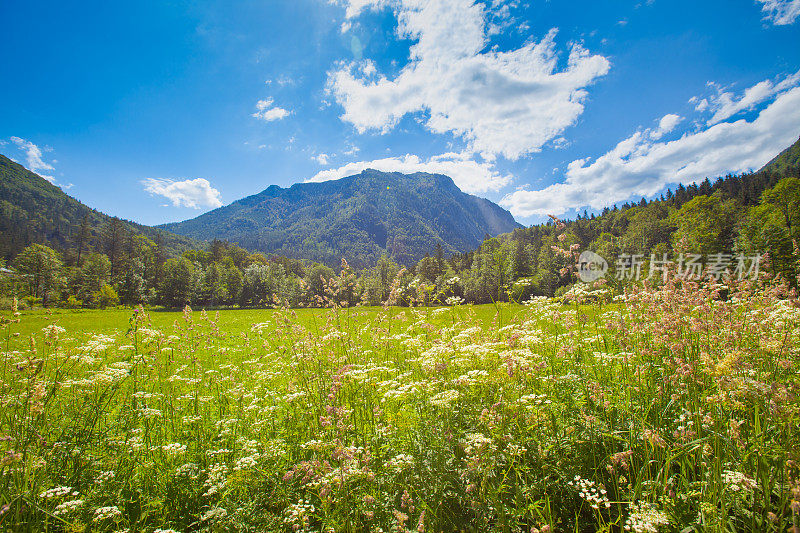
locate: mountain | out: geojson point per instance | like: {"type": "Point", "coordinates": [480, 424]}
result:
{"type": "Point", "coordinates": [358, 217]}
{"type": "Point", "coordinates": [33, 210]}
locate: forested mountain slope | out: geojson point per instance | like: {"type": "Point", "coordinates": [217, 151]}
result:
{"type": "Point", "coordinates": [359, 218]}
{"type": "Point", "coordinates": [33, 210]}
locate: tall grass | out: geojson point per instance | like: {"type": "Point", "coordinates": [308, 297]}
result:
{"type": "Point", "coordinates": [673, 410]}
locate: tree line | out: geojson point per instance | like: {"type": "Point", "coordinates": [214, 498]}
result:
{"type": "Point", "coordinates": [753, 213]}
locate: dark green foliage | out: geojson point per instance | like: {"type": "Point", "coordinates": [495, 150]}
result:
{"type": "Point", "coordinates": [358, 218]}
{"type": "Point", "coordinates": [33, 210]}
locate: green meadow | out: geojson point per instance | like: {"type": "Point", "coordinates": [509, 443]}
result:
{"type": "Point", "coordinates": [232, 321]}
{"type": "Point", "coordinates": [673, 409]}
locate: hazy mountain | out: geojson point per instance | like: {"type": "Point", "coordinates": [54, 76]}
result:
{"type": "Point", "coordinates": [358, 217]}
{"type": "Point", "coordinates": [33, 210]}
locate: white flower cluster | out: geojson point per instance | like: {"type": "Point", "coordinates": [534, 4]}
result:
{"type": "Point", "coordinates": [174, 449]}
{"type": "Point", "coordinates": [472, 377]}
{"type": "Point", "coordinates": [217, 478]}
{"type": "Point", "coordinates": [400, 462]}
{"type": "Point", "coordinates": [102, 513]}
{"type": "Point", "coordinates": [645, 518]}
{"type": "Point", "coordinates": [213, 514]}
{"type": "Point", "coordinates": [149, 335]}
{"type": "Point", "coordinates": [67, 507]}
{"type": "Point", "coordinates": [56, 492]}
{"type": "Point", "coordinates": [477, 442]}
{"type": "Point", "coordinates": [188, 470]}
{"type": "Point", "coordinates": [404, 389]}
{"type": "Point", "coordinates": [52, 331]}
{"type": "Point", "coordinates": [515, 450]}
{"type": "Point", "coordinates": [148, 412]}
{"type": "Point", "coordinates": [104, 476]}
{"type": "Point", "coordinates": [245, 463]}
{"type": "Point", "coordinates": [298, 515]}
{"type": "Point", "coordinates": [274, 448]}
{"type": "Point", "coordinates": [736, 481]}
{"type": "Point", "coordinates": [595, 495]}
{"type": "Point", "coordinates": [98, 343]}
{"type": "Point", "coordinates": [109, 376]}
{"type": "Point", "coordinates": [445, 398]}
{"type": "Point", "coordinates": [534, 399]}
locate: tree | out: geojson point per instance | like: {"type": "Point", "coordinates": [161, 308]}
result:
{"type": "Point", "coordinates": [106, 296]}
{"type": "Point", "coordinates": [233, 281]}
{"type": "Point", "coordinates": [41, 267]}
{"type": "Point", "coordinates": [705, 225]}
{"type": "Point", "coordinates": [428, 269]}
{"type": "Point", "coordinates": [114, 237]}
{"type": "Point", "coordinates": [95, 272]}
{"type": "Point", "coordinates": [133, 285]}
{"type": "Point", "coordinates": [315, 279]}
{"type": "Point", "coordinates": [83, 238]}
{"type": "Point", "coordinates": [785, 198]}
{"type": "Point", "coordinates": [178, 282]}
{"type": "Point", "coordinates": [378, 280]}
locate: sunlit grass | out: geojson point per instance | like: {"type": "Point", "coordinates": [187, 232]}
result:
{"type": "Point", "coordinates": [669, 411]}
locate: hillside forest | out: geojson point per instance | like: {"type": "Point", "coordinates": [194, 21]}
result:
{"type": "Point", "coordinates": [755, 213]}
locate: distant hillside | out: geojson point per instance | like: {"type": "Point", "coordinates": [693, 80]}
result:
{"type": "Point", "coordinates": [33, 210]}
{"type": "Point", "coordinates": [358, 217]}
{"type": "Point", "coordinates": [786, 161]}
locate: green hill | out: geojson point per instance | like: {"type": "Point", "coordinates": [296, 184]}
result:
{"type": "Point", "coordinates": [33, 210]}
{"type": "Point", "coordinates": [358, 217]}
{"type": "Point", "coordinates": [785, 161]}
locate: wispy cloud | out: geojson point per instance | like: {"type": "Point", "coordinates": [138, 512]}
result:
{"type": "Point", "coordinates": [34, 159]}
{"type": "Point", "coordinates": [322, 159]}
{"type": "Point", "coordinates": [194, 193]}
{"type": "Point", "coordinates": [780, 12]}
{"type": "Point", "coordinates": [724, 103]}
{"type": "Point", "coordinates": [266, 111]}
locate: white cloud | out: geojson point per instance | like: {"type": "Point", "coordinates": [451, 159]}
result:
{"type": "Point", "coordinates": [322, 159]}
{"type": "Point", "coordinates": [194, 193]}
{"type": "Point", "coordinates": [638, 166]}
{"type": "Point", "coordinates": [725, 104]}
{"type": "Point", "coordinates": [281, 80]}
{"type": "Point", "coordinates": [267, 112]}
{"type": "Point", "coordinates": [34, 159]}
{"type": "Point", "coordinates": [500, 102]}
{"type": "Point", "coordinates": [780, 12]}
{"type": "Point", "coordinates": [665, 125]}
{"type": "Point", "coordinates": [470, 175]}
{"type": "Point", "coordinates": [352, 150]}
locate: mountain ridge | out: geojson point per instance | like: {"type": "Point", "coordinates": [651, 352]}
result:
{"type": "Point", "coordinates": [357, 217]}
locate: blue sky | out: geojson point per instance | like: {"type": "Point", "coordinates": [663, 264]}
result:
{"type": "Point", "coordinates": [159, 111]}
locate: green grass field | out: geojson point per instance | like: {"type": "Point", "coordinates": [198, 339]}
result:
{"type": "Point", "coordinates": [673, 411]}
{"type": "Point", "coordinates": [233, 321]}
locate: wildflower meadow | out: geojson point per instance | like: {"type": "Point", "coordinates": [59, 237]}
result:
{"type": "Point", "coordinates": [667, 409]}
